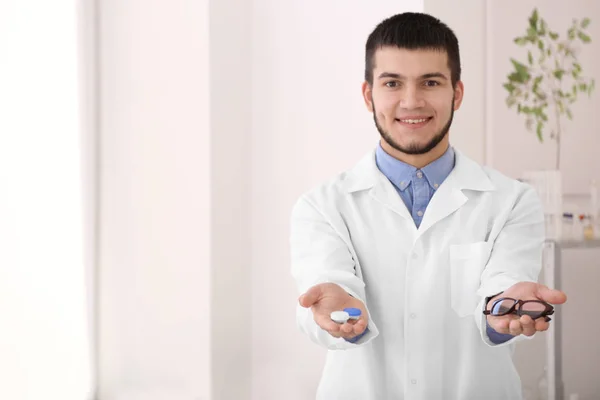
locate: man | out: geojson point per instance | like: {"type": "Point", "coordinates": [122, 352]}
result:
{"type": "Point", "coordinates": [421, 239]}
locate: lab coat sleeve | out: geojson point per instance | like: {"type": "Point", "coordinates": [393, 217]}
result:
{"type": "Point", "coordinates": [319, 254]}
{"type": "Point", "coordinates": [516, 255]}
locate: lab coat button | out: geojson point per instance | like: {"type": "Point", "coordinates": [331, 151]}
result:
{"type": "Point", "coordinates": [413, 315]}
{"type": "Point", "coordinates": [415, 256]}
{"type": "Point", "coordinates": [414, 381]}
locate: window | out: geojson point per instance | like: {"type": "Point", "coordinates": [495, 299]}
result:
{"type": "Point", "coordinates": [44, 299]}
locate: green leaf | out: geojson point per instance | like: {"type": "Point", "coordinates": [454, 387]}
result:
{"type": "Point", "coordinates": [571, 33]}
{"type": "Point", "coordinates": [584, 38]}
{"type": "Point", "coordinates": [569, 115]}
{"type": "Point", "coordinates": [530, 57]}
{"type": "Point", "coordinates": [559, 74]}
{"type": "Point", "coordinates": [521, 71]}
{"type": "Point", "coordinates": [536, 85]}
{"type": "Point", "coordinates": [585, 23]}
{"type": "Point", "coordinates": [541, 45]}
{"type": "Point", "coordinates": [514, 77]}
{"type": "Point", "coordinates": [521, 41]}
{"type": "Point", "coordinates": [577, 67]}
{"type": "Point", "coordinates": [583, 87]}
{"type": "Point", "coordinates": [527, 110]}
{"type": "Point", "coordinates": [553, 35]}
{"type": "Point", "coordinates": [543, 27]}
{"type": "Point", "coordinates": [533, 20]}
{"type": "Point", "coordinates": [509, 86]}
{"type": "Point", "coordinates": [538, 131]}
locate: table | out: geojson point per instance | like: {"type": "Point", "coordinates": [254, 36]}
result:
{"type": "Point", "coordinates": [552, 266]}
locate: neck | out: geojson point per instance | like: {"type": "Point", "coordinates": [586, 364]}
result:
{"type": "Point", "coordinates": [417, 160]}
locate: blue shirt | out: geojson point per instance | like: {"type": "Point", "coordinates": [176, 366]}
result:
{"type": "Point", "coordinates": [416, 188]}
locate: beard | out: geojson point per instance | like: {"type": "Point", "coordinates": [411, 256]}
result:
{"type": "Point", "coordinates": [414, 148]}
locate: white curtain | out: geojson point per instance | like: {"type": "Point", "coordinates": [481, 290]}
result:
{"type": "Point", "coordinates": [45, 342]}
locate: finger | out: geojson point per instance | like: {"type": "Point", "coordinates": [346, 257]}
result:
{"type": "Point", "coordinates": [528, 325]}
{"type": "Point", "coordinates": [541, 325]}
{"type": "Point", "coordinates": [311, 296]}
{"type": "Point", "coordinates": [552, 296]}
{"type": "Point", "coordinates": [515, 327]}
{"type": "Point", "coordinates": [346, 328]}
{"type": "Point", "coordinates": [360, 326]}
{"type": "Point", "coordinates": [499, 324]}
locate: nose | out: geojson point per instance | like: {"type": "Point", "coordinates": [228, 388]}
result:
{"type": "Point", "coordinates": [412, 98]}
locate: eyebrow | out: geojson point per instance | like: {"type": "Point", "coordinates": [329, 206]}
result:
{"type": "Point", "coordinates": [424, 76]}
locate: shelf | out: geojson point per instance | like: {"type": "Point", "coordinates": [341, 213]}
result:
{"type": "Point", "coordinates": [577, 244]}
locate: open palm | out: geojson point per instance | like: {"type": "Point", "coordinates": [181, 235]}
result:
{"type": "Point", "coordinates": [515, 325]}
{"type": "Point", "coordinates": [325, 298]}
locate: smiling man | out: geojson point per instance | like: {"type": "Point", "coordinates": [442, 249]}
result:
{"type": "Point", "coordinates": [422, 240]}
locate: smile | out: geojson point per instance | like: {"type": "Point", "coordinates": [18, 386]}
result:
{"type": "Point", "coordinates": [414, 122]}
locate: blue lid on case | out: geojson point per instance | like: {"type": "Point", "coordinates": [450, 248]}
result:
{"type": "Point", "coordinates": [353, 312]}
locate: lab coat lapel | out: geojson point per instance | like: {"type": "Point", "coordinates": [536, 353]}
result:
{"type": "Point", "coordinates": [385, 193]}
{"type": "Point", "coordinates": [450, 197]}
{"type": "Point", "coordinates": [444, 202]}
{"type": "Point", "coordinates": [366, 176]}
{"type": "Point", "coordinates": [466, 174]}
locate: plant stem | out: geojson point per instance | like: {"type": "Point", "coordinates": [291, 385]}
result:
{"type": "Point", "coordinates": [558, 133]}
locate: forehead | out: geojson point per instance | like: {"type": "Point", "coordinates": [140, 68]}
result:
{"type": "Point", "coordinates": [411, 63]}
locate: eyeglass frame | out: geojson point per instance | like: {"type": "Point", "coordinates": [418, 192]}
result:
{"type": "Point", "coordinates": [549, 310]}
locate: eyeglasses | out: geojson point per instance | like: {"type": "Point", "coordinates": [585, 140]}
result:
{"type": "Point", "coordinates": [534, 308]}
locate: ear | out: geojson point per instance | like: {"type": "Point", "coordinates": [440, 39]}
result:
{"type": "Point", "coordinates": [459, 91]}
{"type": "Point", "coordinates": [367, 92]}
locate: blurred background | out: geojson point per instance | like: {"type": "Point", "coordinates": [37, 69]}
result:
{"type": "Point", "coordinates": [150, 153]}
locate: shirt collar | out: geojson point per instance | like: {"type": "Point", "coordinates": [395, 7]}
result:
{"type": "Point", "coordinates": [401, 174]}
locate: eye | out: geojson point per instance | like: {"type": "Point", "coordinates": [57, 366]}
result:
{"type": "Point", "coordinates": [392, 84]}
{"type": "Point", "coordinates": [431, 83]}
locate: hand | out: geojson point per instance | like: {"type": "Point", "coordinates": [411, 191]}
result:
{"type": "Point", "coordinates": [325, 298]}
{"type": "Point", "coordinates": [515, 325]}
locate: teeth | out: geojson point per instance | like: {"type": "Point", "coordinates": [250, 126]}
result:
{"type": "Point", "coordinates": [414, 121]}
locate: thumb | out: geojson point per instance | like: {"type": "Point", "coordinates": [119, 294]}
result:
{"type": "Point", "coordinates": [311, 296]}
{"type": "Point", "coordinates": [551, 296]}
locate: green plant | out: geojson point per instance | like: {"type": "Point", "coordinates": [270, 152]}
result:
{"type": "Point", "coordinates": [551, 76]}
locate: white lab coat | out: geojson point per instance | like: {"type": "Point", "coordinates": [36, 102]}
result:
{"type": "Point", "coordinates": [424, 288]}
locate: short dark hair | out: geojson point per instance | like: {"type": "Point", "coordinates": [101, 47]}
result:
{"type": "Point", "coordinates": [413, 31]}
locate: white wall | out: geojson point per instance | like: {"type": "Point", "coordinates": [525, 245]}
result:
{"type": "Point", "coordinates": [154, 274]}
{"type": "Point", "coordinates": [309, 123]}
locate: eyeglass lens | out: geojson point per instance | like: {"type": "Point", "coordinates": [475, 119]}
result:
{"type": "Point", "coordinates": [533, 309]}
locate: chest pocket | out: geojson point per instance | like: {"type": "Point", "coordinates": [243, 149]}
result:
{"type": "Point", "coordinates": [467, 262]}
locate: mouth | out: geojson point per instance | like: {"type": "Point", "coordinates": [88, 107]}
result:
{"type": "Point", "coordinates": [414, 122]}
